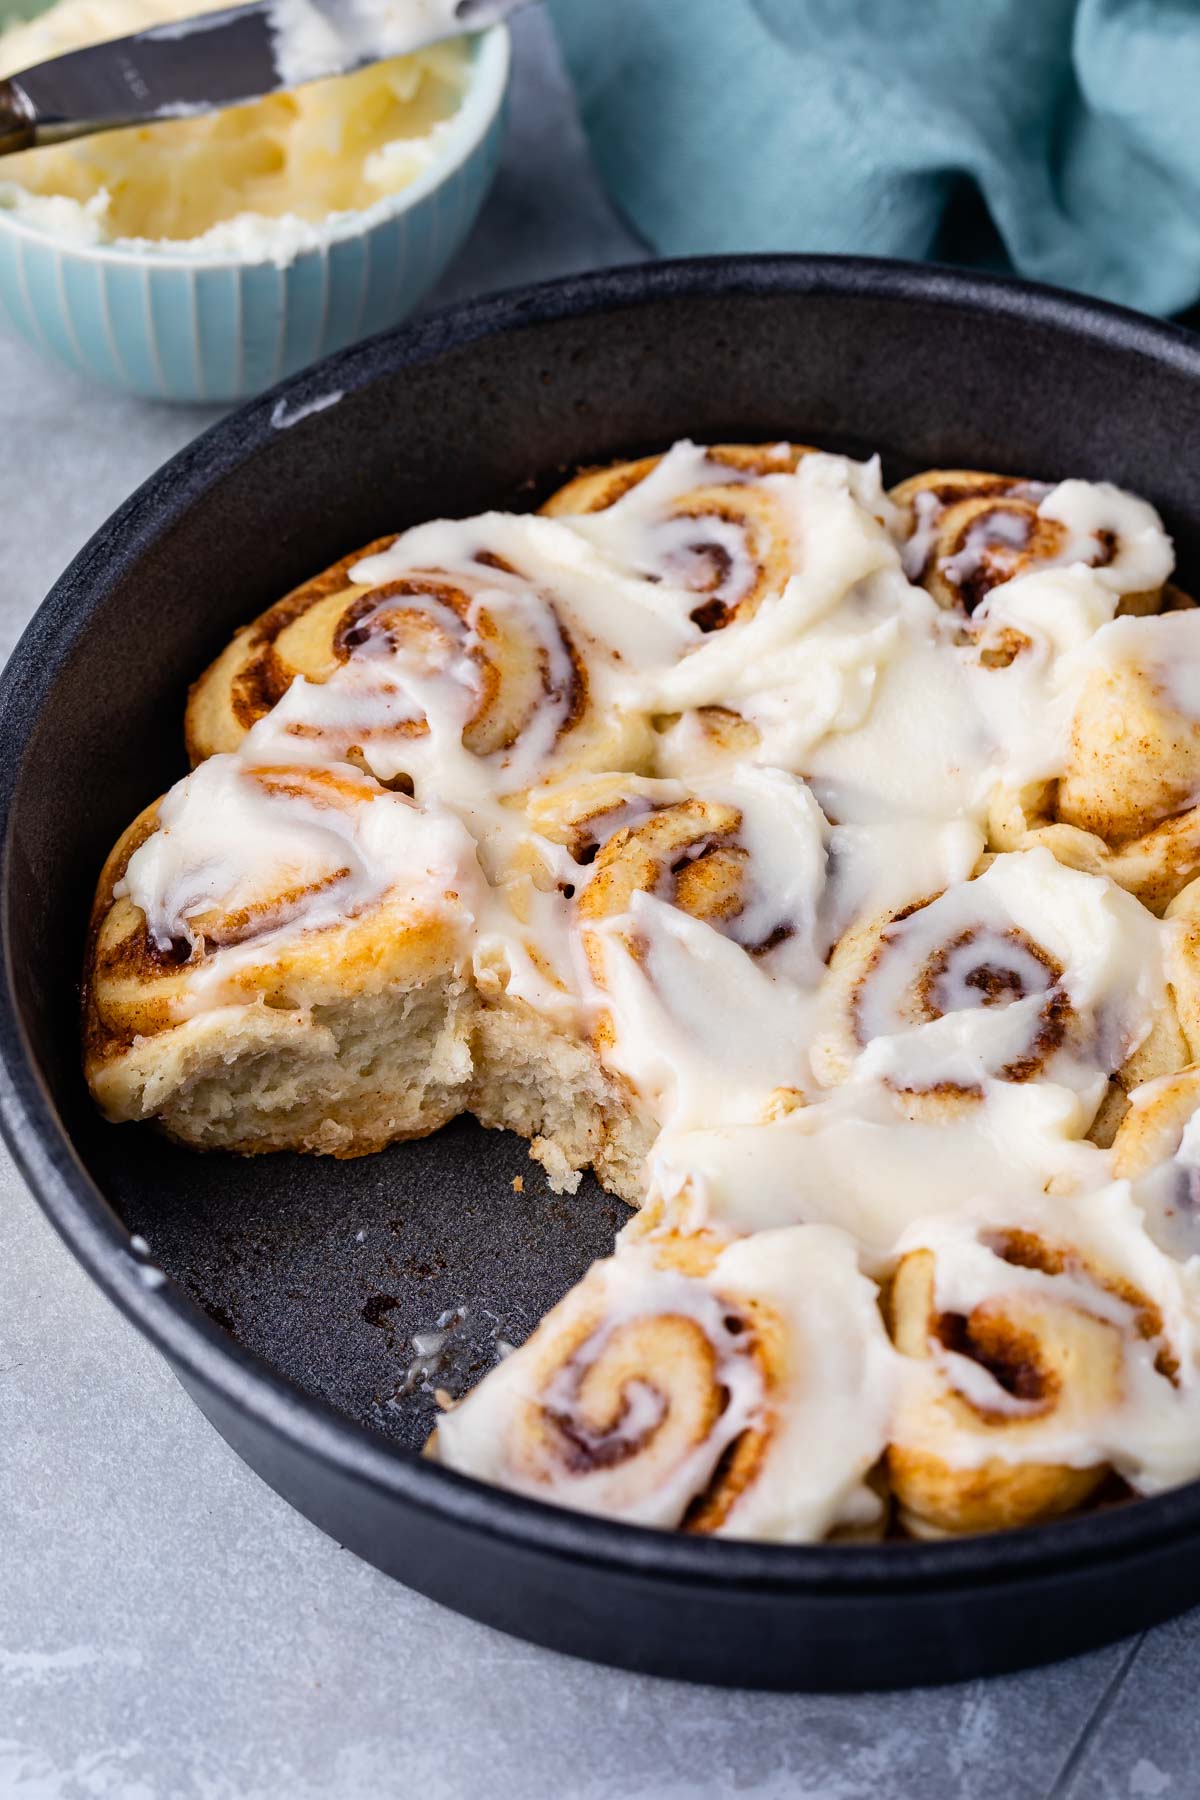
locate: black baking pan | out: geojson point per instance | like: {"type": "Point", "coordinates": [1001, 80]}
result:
{"type": "Point", "coordinates": [295, 1285]}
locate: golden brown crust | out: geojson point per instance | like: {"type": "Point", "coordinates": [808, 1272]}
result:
{"type": "Point", "coordinates": [97, 1039]}
{"type": "Point", "coordinates": [1151, 1130]}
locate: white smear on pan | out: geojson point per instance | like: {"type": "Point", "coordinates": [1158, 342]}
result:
{"type": "Point", "coordinates": [283, 417]}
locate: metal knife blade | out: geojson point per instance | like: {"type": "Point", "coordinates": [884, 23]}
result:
{"type": "Point", "coordinates": [221, 59]}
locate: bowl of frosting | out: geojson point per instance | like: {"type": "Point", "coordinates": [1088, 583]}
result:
{"type": "Point", "coordinates": [205, 258]}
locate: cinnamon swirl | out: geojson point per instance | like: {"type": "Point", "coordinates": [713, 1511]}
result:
{"type": "Point", "coordinates": [743, 1394]}
{"type": "Point", "coordinates": [697, 914]}
{"type": "Point", "coordinates": [706, 520]}
{"type": "Point", "coordinates": [1024, 973]}
{"type": "Point", "coordinates": [463, 671]}
{"type": "Point", "coordinates": [966, 531]}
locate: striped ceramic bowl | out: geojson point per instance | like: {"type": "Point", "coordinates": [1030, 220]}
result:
{"type": "Point", "coordinates": [173, 326]}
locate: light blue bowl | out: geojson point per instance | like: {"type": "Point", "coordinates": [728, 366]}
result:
{"type": "Point", "coordinates": [171, 326]}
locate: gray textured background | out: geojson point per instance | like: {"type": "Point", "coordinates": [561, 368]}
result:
{"type": "Point", "coordinates": [169, 1628]}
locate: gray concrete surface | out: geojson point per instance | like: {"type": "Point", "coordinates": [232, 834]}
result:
{"type": "Point", "coordinates": [170, 1630]}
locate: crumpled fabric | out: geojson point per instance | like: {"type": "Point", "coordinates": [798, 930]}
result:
{"type": "Point", "coordinates": [859, 126]}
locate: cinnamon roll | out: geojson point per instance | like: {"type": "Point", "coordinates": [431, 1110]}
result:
{"type": "Point", "coordinates": [1045, 1351]}
{"type": "Point", "coordinates": [1028, 972]}
{"type": "Point", "coordinates": [696, 912]}
{"type": "Point", "coordinates": [701, 519]}
{"type": "Point", "coordinates": [1124, 802]}
{"type": "Point", "coordinates": [850, 677]}
{"type": "Point", "coordinates": [280, 959]}
{"type": "Point", "coordinates": [964, 532]}
{"type": "Point", "coordinates": [415, 650]}
{"type": "Point", "coordinates": [740, 1394]}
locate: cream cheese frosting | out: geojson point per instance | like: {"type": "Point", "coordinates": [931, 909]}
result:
{"type": "Point", "coordinates": [854, 1159]}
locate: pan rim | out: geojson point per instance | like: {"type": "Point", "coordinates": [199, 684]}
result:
{"type": "Point", "coordinates": [198, 1349]}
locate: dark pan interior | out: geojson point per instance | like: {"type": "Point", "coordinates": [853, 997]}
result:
{"type": "Point", "coordinates": [328, 1269]}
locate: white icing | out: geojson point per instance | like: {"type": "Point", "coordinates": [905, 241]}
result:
{"type": "Point", "coordinates": [1098, 947]}
{"type": "Point", "coordinates": [1143, 557]}
{"type": "Point", "coordinates": [836, 544]}
{"type": "Point", "coordinates": [882, 866]}
{"type": "Point", "coordinates": [629, 622]}
{"type": "Point", "coordinates": [270, 858]}
{"type": "Point", "coordinates": [1118, 535]}
{"type": "Point", "coordinates": [824, 1418]}
{"type": "Point", "coordinates": [704, 1028]}
{"type": "Point", "coordinates": [1027, 705]}
{"type": "Point", "coordinates": [1165, 648]}
{"type": "Point", "coordinates": [1007, 529]}
{"type": "Point", "coordinates": [921, 746]}
{"type": "Point", "coordinates": [314, 40]}
{"type": "Point", "coordinates": [262, 182]}
{"type": "Point", "coordinates": [853, 1160]}
{"type": "Point", "coordinates": [915, 551]}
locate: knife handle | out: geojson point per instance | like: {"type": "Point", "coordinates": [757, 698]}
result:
{"type": "Point", "coordinates": [18, 121]}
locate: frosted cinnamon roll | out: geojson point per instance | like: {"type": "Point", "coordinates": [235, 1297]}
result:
{"type": "Point", "coordinates": [849, 676]}
{"type": "Point", "coordinates": [677, 830]}
{"type": "Point", "coordinates": [701, 519]}
{"type": "Point", "coordinates": [818, 613]}
{"type": "Point", "coordinates": [1125, 800]}
{"type": "Point", "coordinates": [465, 674]}
{"type": "Point", "coordinates": [696, 913]}
{"type": "Point", "coordinates": [965, 532]}
{"type": "Point", "coordinates": [1029, 972]}
{"type": "Point", "coordinates": [656, 960]}
{"type": "Point", "coordinates": [739, 1394]}
{"type": "Point", "coordinates": [280, 959]}
{"type": "Point", "coordinates": [1046, 1350]}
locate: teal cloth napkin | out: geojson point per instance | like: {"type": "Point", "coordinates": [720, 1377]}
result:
{"type": "Point", "coordinates": [855, 125]}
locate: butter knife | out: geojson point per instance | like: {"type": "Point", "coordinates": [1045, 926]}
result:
{"type": "Point", "coordinates": [219, 59]}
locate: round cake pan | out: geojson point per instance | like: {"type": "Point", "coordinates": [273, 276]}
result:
{"type": "Point", "coordinates": [294, 1286]}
